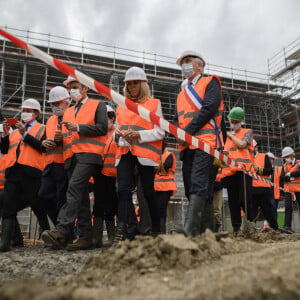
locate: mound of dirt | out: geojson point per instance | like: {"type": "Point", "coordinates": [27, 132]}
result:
{"type": "Point", "coordinates": [212, 266]}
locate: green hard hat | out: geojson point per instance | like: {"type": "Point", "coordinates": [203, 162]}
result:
{"type": "Point", "coordinates": [236, 114]}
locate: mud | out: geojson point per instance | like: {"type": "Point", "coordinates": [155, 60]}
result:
{"type": "Point", "coordinates": [258, 264]}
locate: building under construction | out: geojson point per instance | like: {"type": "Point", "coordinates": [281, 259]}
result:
{"type": "Point", "coordinates": [271, 101]}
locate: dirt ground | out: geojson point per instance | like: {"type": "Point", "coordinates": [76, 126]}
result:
{"type": "Point", "coordinates": [259, 264]}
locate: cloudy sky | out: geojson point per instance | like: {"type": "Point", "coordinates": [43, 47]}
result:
{"type": "Point", "coordinates": [238, 33]}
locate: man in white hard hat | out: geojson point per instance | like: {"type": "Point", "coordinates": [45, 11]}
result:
{"type": "Point", "coordinates": [84, 129]}
{"type": "Point", "coordinates": [291, 176]}
{"type": "Point", "coordinates": [54, 179]}
{"type": "Point", "coordinates": [199, 110]}
{"type": "Point", "coordinates": [25, 164]}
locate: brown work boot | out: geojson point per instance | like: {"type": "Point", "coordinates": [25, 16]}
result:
{"type": "Point", "coordinates": [80, 244]}
{"type": "Point", "coordinates": [54, 238]}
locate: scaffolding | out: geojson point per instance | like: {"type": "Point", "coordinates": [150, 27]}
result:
{"type": "Point", "coordinates": [23, 76]}
{"type": "Point", "coordinates": [284, 69]}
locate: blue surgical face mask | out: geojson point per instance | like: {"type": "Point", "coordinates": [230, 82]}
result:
{"type": "Point", "coordinates": [187, 70]}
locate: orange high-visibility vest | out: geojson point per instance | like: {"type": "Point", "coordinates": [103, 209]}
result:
{"type": "Point", "coordinates": [109, 157]}
{"type": "Point", "coordinates": [293, 185]}
{"type": "Point", "coordinates": [186, 113]}
{"type": "Point", "coordinates": [75, 143]}
{"type": "Point", "coordinates": [166, 181]}
{"type": "Point", "coordinates": [277, 173]}
{"type": "Point", "coordinates": [3, 162]}
{"type": "Point", "coordinates": [130, 120]}
{"type": "Point", "coordinates": [55, 155]}
{"type": "Point", "coordinates": [28, 156]}
{"type": "Point", "coordinates": [244, 157]}
{"type": "Point", "coordinates": [259, 161]}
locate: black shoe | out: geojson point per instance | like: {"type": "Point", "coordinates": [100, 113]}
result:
{"type": "Point", "coordinates": [286, 230]}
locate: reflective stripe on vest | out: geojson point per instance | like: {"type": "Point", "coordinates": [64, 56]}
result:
{"type": "Point", "coordinates": [28, 156]}
{"type": "Point", "coordinates": [166, 182]}
{"type": "Point", "coordinates": [259, 161]}
{"type": "Point", "coordinates": [186, 113]}
{"type": "Point", "coordinates": [277, 173]}
{"type": "Point", "coordinates": [109, 157]}
{"type": "Point", "coordinates": [243, 156]}
{"type": "Point", "coordinates": [294, 184]}
{"type": "Point", "coordinates": [55, 155]}
{"type": "Point", "coordinates": [129, 120]}
{"type": "Point", "coordinates": [75, 143]}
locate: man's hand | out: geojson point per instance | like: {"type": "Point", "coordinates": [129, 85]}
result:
{"type": "Point", "coordinates": [181, 142]}
{"type": "Point", "coordinates": [70, 126]}
{"type": "Point", "coordinates": [58, 136]}
{"type": "Point", "coordinates": [131, 135]}
{"type": "Point", "coordinates": [49, 144]}
{"type": "Point", "coordinates": [6, 127]}
{"type": "Point", "coordinates": [21, 128]}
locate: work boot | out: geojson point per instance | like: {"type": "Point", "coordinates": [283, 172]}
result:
{"type": "Point", "coordinates": [17, 239]}
{"type": "Point", "coordinates": [81, 244]}
{"type": "Point", "coordinates": [98, 232]}
{"type": "Point", "coordinates": [111, 230]}
{"type": "Point", "coordinates": [7, 233]}
{"type": "Point", "coordinates": [208, 220]}
{"type": "Point", "coordinates": [194, 215]}
{"type": "Point", "coordinates": [163, 227]}
{"type": "Point", "coordinates": [54, 238]}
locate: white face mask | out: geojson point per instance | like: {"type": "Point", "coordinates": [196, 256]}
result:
{"type": "Point", "coordinates": [288, 160]}
{"type": "Point", "coordinates": [110, 123]}
{"type": "Point", "coordinates": [27, 117]}
{"type": "Point", "coordinates": [235, 126]}
{"type": "Point", "coordinates": [57, 110]}
{"type": "Point", "coordinates": [75, 94]}
{"type": "Point", "coordinates": [187, 70]}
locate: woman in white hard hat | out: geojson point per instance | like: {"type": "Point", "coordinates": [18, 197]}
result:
{"type": "Point", "coordinates": [139, 144]}
{"type": "Point", "coordinates": [54, 179]}
{"type": "Point", "coordinates": [291, 176]}
{"type": "Point", "coordinates": [24, 167]}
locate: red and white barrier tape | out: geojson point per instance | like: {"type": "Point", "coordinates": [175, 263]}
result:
{"type": "Point", "coordinates": [127, 103]}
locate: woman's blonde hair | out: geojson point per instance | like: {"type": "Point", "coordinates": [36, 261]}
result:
{"type": "Point", "coordinates": [143, 95]}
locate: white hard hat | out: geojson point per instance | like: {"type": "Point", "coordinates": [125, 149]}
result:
{"type": "Point", "coordinates": [58, 93]}
{"type": "Point", "coordinates": [69, 80]}
{"type": "Point", "coordinates": [254, 143]}
{"type": "Point", "coordinates": [135, 73]}
{"type": "Point", "coordinates": [286, 151]}
{"type": "Point", "coordinates": [109, 108]}
{"type": "Point", "coordinates": [32, 104]}
{"type": "Point", "coordinates": [189, 53]}
{"type": "Point", "coordinates": [271, 155]}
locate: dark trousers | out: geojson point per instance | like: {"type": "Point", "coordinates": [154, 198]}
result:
{"type": "Point", "coordinates": [199, 173]}
{"type": "Point", "coordinates": [77, 204]}
{"type": "Point", "coordinates": [163, 198]}
{"type": "Point", "coordinates": [21, 190]}
{"type": "Point", "coordinates": [289, 209]}
{"type": "Point", "coordinates": [105, 197]}
{"type": "Point", "coordinates": [125, 179]}
{"type": "Point", "coordinates": [53, 189]}
{"type": "Point", "coordinates": [236, 201]}
{"type": "Point", "coordinates": [261, 198]}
